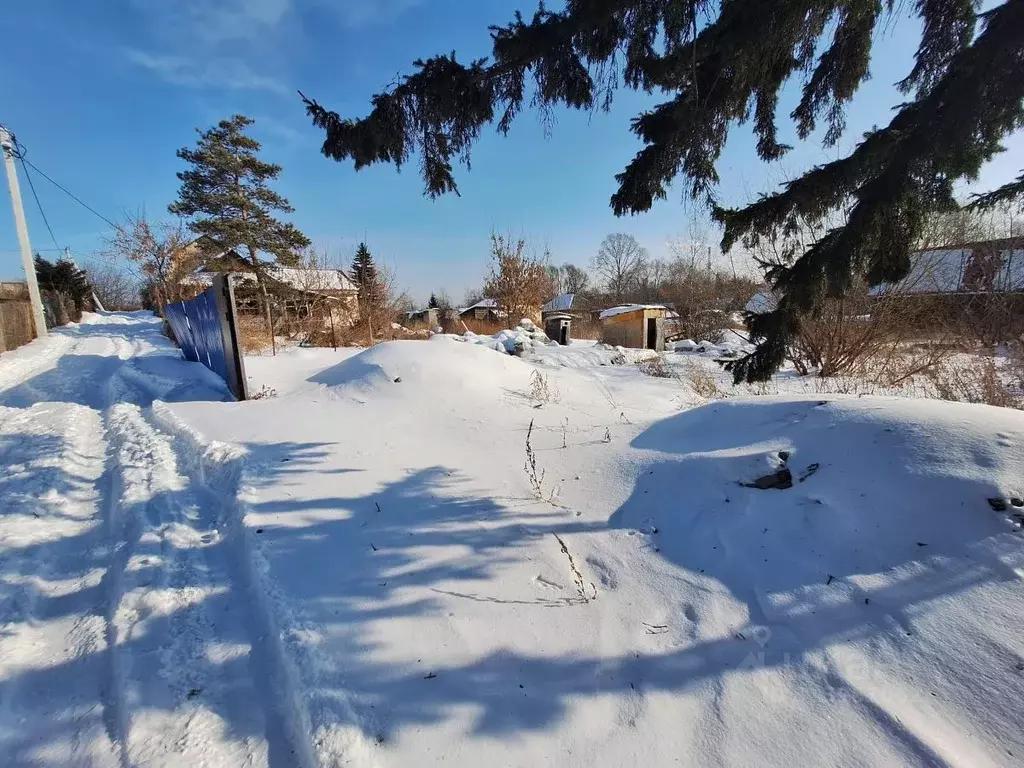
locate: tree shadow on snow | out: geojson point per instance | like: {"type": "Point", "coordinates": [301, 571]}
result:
{"type": "Point", "coordinates": [411, 547]}
{"type": "Point", "coordinates": [99, 578]}
{"type": "Point", "coordinates": [385, 563]}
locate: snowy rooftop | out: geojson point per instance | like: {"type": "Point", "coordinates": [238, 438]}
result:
{"type": "Point", "coordinates": [483, 304]}
{"type": "Point", "coordinates": [627, 308]}
{"type": "Point", "coordinates": [560, 303]}
{"type": "Point", "coordinates": [312, 279]}
{"type": "Point", "coordinates": [950, 270]}
{"type": "Point", "coordinates": [300, 279]}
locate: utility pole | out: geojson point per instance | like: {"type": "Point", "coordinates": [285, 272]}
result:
{"type": "Point", "coordinates": [7, 147]}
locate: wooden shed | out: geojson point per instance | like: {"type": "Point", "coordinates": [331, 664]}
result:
{"type": "Point", "coordinates": [640, 326]}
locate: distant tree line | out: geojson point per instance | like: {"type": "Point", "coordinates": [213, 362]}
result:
{"type": "Point", "coordinates": [622, 271]}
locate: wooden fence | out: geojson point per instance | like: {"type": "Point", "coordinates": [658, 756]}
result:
{"type": "Point", "coordinates": [15, 316]}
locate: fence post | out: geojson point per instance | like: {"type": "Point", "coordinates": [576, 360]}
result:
{"type": "Point", "coordinates": [334, 336]}
{"type": "Point", "coordinates": [225, 297]}
{"type": "Point", "coordinates": [270, 319]}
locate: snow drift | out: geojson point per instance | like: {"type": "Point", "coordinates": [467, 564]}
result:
{"type": "Point", "coordinates": [439, 367]}
{"type": "Point", "coordinates": [882, 580]}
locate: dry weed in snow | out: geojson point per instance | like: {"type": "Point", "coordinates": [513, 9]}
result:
{"type": "Point", "coordinates": [978, 382]}
{"type": "Point", "coordinates": [654, 367]}
{"type": "Point", "coordinates": [700, 380]}
{"type": "Point", "coordinates": [541, 389]}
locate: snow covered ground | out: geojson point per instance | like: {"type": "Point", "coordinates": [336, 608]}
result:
{"type": "Point", "coordinates": [371, 568]}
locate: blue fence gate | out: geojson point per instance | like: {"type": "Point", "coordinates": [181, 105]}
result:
{"type": "Point", "coordinates": [205, 329]}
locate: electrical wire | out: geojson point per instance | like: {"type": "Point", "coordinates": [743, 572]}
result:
{"type": "Point", "coordinates": [39, 205]}
{"type": "Point", "coordinates": [20, 152]}
{"type": "Point", "coordinates": [91, 210]}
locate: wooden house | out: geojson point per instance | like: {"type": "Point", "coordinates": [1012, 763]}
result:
{"type": "Point", "coordinates": [485, 309]}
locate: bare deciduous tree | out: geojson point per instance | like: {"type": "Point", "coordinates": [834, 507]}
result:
{"type": "Point", "coordinates": [574, 279]}
{"type": "Point", "coordinates": [157, 253]}
{"type": "Point", "coordinates": [113, 285]}
{"type": "Point", "coordinates": [380, 304]}
{"type": "Point", "coordinates": [518, 281]}
{"type": "Point", "coordinates": [618, 262]}
{"type": "Point", "coordinates": [651, 280]}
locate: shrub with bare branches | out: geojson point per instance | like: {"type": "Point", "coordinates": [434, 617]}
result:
{"type": "Point", "coordinates": [159, 253]}
{"type": "Point", "coordinates": [700, 380]}
{"type": "Point", "coordinates": [517, 280]}
{"type": "Point", "coordinates": [977, 381]}
{"type": "Point", "coordinates": [654, 367]}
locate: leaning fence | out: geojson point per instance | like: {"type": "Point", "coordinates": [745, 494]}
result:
{"type": "Point", "coordinates": [206, 330]}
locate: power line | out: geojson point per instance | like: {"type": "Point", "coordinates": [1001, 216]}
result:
{"type": "Point", "coordinates": [20, 153]}
{"type": "Point", "coordinates": [91, 210]}
{"type": "Point", "coordinates": [39, 205]}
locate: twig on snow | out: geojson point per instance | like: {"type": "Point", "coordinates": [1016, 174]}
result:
{"type": "Point", "coordinates": [577, 577]}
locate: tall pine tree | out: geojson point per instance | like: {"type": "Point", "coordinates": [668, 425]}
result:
{"type": "Point", "coordinates": [364, 274]}
{"type": "Point", "coordinates": [721, 64]}
{"type": "Point", "coordinates": [432, 303]}
{"type": "Point", "coordinates": [225, 193]}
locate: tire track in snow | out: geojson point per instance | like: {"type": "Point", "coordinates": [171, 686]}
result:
{"type": "Point", "coordinates": [257, 692]}
{"type": "Point", "coordinates": [314, 718]}
{"type": "Point", "coordinates": [50, 538]}
{"type": "Point", "coordinates": [287, 720]}
{"type": "Point", "coordinates": [174, 686]}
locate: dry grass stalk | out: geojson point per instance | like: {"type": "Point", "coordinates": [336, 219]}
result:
{"type": "Point", "coordinates": [541, 389]}
{"type": "Point", "coordinates": [701, 380]}
{"type": "Point", "coordinates": [977, 383]}
{"type": "Point", "coordinates": [577, 577]}
{"type": "Point", "coordinates": [655, 367]}
{"type": "Point", "coordinates": [252, 334]}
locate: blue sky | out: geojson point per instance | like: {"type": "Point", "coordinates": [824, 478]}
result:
{"type": "Point", "coordinates": [104, 91]}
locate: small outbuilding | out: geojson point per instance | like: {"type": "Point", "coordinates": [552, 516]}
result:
{"type": "Point", "coordinates": [485, 309]}
{"type": "Point", "coordinates": [557, 326]}
{"type": "Point", "coordinates": [639, 326]}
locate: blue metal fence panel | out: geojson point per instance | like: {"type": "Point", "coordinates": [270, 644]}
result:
{"type": "Point", "coordinates": [182, 329]}
{"type": "Point", "coordinates": [208, 333]}
{"type": "Point", "coordinates": [197, 326]}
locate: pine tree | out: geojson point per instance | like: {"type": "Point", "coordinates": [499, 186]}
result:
{"type": "Point", "coordinates": [69, 284]}
{"type": "Point", "coordinates": [432, 303]}
{"type": "Point", "coordinates": [225, 193]}
{"type": "Point", "coordinates": [723, 64]}
{"type": "Point", "coordinates": [364, 274]}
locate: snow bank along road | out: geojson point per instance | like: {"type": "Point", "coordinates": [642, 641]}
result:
{"type": "Point", "coordinates": [127, 629]}
{"type": "Point", "coordinates": [360, 571]}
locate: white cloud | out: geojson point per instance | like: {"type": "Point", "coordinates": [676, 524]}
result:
{"type": "Point", "coordinates": [214, 21]}
{"type": "Point", "coordinates": [231, 74]}
{"type": "Point", "coordinates": [365, 13]}
{"type": "Point", "coordinates": [226, 43]}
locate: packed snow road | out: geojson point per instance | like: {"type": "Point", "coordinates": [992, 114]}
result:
{"type": "Point", "coordinates": [125, 633]}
